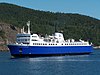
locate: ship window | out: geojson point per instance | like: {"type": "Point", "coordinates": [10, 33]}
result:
{"type": "Point", "coordinates": [34, 40]}
{"type": "Point", "coordinates": [22, 36]}
{"type": "Point", "coordinates": [34, 36]}
{"type": "Point", "coordinates": [25, 43]}
{"type": "Point", "coordinates": [59, 35]}
{"type": "Point", "coordinates": [18, 39]}
{"type": "Point", "coordinates": [25, 39]}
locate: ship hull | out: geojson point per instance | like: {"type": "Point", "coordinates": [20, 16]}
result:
{"type": "Point", "coordinates": [19, 51]}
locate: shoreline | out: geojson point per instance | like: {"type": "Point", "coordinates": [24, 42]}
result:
{"type": "Point", "coordinates": [4, 50]}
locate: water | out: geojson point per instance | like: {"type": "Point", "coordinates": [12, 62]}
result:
{"type": "Point", "coordinates": [57, 65]}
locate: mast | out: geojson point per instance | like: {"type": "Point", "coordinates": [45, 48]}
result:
{"type": "Point", "coordinates": [28, 24]}
{"type": "Point", "coordinates": [23, 29]}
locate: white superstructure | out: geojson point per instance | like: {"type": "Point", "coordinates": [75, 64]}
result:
{"type": "Point", "coordinates": [56, 39]}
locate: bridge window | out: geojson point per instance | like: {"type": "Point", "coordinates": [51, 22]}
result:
{"type": "Point", "coordinates": [34, 40]}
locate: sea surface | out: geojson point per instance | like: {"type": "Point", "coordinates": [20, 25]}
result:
{"type": "Point", "coordinates": [56, 65]}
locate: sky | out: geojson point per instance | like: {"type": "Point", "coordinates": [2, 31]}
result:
{"type": "Point", "coordinates": [84, 7]}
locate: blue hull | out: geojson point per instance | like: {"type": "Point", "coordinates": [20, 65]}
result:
{"type": "Point", "coordinates": [48, 50]}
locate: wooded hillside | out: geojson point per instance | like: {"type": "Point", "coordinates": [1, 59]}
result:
{"type": "Point", "coordinates": [75, 26]}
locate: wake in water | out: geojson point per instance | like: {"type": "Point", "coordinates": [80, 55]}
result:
{"type": "Point", "coordinates": [63, 58]}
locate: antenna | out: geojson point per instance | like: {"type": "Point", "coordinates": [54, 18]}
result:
{"type": "Point", "coordinates": [21, 30]}
{"type": "Point", "coordinates": [28, 24]}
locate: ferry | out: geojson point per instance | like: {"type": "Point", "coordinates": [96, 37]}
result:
{"type": "Point", "coordinates": [28, 44]}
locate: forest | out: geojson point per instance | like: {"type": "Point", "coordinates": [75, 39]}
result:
{"type": "Point", "coordinates": [72, 25]}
